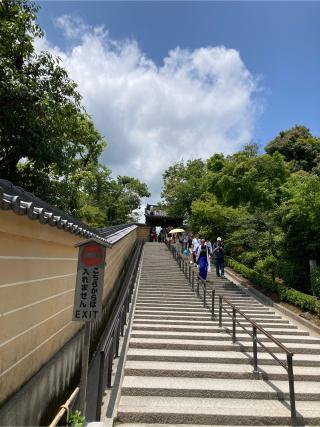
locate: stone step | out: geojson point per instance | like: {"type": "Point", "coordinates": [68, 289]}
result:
{"type": "Point", "coordinates": [183, 287]}
{"type": "Point", "coordinates": [199, 322]}
{"type": "Point", "coordinates": [204, 316]}
{"type": "Point", "coordinates": [200, 312]}
{"type": "Point", "coordinates": [200, 309]}
{"type": "Point", "coordinates": [207, 328]}
{"type": "Point", "coordinates": [191, 300]}
{"type": "Point", "coordinates": [154, 289]}
{"type": "Point", "coordinates": [202, 411]}
{"type": "Point", "coordinates": [173, 295]}
{"type": "Point", "coordinates": [197, 306]}
{"type": "Point", "coordinates": [187, 296]}
{"type": "Point", "coordinates": [241, 336]}
{"type": "Point", "coordinates": [217, 370]}
{"type": "Point", "coordinates": [159, 305]}
{"type": "Point", "coordinates": [166, 299]}
{"type": "Point", "coordinates": [153, 286]}
{"type": "Point", "coordinates": [218, 388]}
{"type": "Point", "coordinates": [218, 356]}
{"type": "Point", "coordinates": [207, 345]}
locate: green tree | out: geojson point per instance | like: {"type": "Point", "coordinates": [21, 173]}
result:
{"type": "Point", "coordinates": [298, 146]}
{"type": "Point", "coordinates": [299, 217]}
{"type": "Point", "coordinates": [46, 137]}
{"type": "Point", "coordinates": [183, 183]}
{"type": "Point", "coordinates": [108, 201]}
{"type": "Point", "coordinates": [212, 219]}
{"type": "Point", "coordinates": [48, 143]}
{"type": "Point", "coordinates": [247, 179]}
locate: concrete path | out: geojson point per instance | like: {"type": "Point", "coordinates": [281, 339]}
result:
{"type": "Point", "coordinates": [183, 369]}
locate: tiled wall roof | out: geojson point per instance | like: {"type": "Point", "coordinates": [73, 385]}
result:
{"type": "Point", "coordinates": [23, 203]}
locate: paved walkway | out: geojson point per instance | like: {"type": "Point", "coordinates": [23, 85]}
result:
{"type": "Point", "coordinates": [181, 368]}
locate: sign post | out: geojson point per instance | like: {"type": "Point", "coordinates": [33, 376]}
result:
{"type": "Point", "coordinates": [88, 300]}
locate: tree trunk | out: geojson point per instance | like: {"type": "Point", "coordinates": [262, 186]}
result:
{"type": "Point", "coordinates": [312, 264]}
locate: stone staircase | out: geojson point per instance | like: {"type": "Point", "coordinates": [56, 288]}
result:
{"type": "Point", "coordinates": [183, 369]}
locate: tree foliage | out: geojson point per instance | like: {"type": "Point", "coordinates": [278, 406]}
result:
{"type": "Point", "coordinates": [298, 147]}
{"type": "Point", "coordinates": [111, 201]}
{"type": "Point", "coordinates": [267, 206]}
{"type": "Point", "coordinates": [183, 183]}
{"type": "Point", "coordinates": [48, 143]}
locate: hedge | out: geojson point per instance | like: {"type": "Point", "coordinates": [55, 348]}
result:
{"type": "Point", "coordinates": [290, 295]}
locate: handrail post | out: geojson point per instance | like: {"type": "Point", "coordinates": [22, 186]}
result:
{"type": "Point", "coordinates": [255, 349]}
{"type": "Point", "coordinates": [117, 340]}
{"type": "Point", "coordinates": [204, 293]}
{"type": "Point", "coordinates": [233, 325]}
{"type": "Point", "coordinates": [212, 304]}
{"type": "Point", "coordinates": [100, 385]}
{"type": "Point", "coordinates": [192, 279]}
{"type": "Point", "coordinates": [128, 303]}
{"type": "Point", "coordinates": [109, 366]}
{"type": "Point", "coordinates": [190, 274]}
{"type": "Point", "coordinates": [123, 321]}
{"type": "Point", "coordinates": [220, 311]}
{"type": "Point", "coordinates": [291, 389]}
{"type": "Point", "coordinates": [198, 284]}
{"type": "Point", "coordinates": [182, 266]}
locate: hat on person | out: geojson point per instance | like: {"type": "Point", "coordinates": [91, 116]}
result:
{"type": "Point", "coordinates": [219, 238]}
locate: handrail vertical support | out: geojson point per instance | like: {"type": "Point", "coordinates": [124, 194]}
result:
{"type": "Point", "coordinates": [192, 279]}
{"type": "Point", "coordinates": [117, 341]}
{"type": "Point", "coordinates": [100, 385]}
{"type": "Point", "coordinates": [109, 368]}
{"type": "Point", "coordinates": [220, 311]}
{"type": "Point", "coordinates": [291, 389]}
{"type": "Point", "coordinates": [198, 285]}
{"type": "Point", "coordinates": [255, 350]}
{"type": "Point", "coordinates": [233, 325]}
{"type": "Point", "coordinates": [204, 293]}
{"type": "Point", "coordinates": [212, 303]}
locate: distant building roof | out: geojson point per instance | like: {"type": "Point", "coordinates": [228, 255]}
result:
{"type": "Point", "coordinates": [22, 202]}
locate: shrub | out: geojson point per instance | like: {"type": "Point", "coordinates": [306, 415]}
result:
{"type": "Point", "coordinates": [249, 258]}
{"type": "Point", "coordinates": [76, 419]}
{"type": "Point", "coordinates": [315, 281]}
{"type": "Point", "coordinates": [290, 295]}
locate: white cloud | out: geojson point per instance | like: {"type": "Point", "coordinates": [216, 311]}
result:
{"type": "Point", "coordinates": [197, 103]}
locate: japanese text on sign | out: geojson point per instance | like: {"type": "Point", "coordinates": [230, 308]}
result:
{"type": "Point", "coordinates": [89, 284]}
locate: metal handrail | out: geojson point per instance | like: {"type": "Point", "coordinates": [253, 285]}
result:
{"type": "Point", "coordinates": [255, 327]}
{"type": "Point", "coordinates": [109, 348]}
{"type": "Point", "coordinates": [64, 408]}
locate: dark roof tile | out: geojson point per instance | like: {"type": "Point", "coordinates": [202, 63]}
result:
{"type": "Point", "coordinates": [22, 202]}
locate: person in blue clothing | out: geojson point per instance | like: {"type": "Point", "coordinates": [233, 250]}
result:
{"type": "Point", "coordinates": [203, 259]}
{"type": "Point", "coordinates": [218, 251]}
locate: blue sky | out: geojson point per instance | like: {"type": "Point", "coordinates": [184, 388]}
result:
{"type": "Point", "coordinates": [278, 43]}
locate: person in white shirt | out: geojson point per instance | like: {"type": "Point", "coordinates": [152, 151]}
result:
{"type": "Point", "coordinates": [195, 245]}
